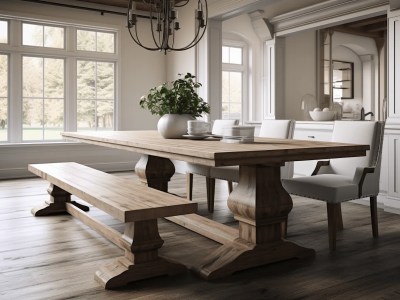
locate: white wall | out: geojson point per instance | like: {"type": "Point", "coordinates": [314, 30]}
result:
{"type": "Point", "coordinates": [182, 62]}
{"type": "Point", "coordinates": [138, 71]}
{"type": "Point", "coordinates": [300, 71]}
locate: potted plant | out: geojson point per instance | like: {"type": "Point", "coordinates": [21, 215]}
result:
{"type": "Point", "coordinates": [176, 102]}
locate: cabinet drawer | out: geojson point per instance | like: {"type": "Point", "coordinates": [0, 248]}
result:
{"type": "Point", "coordinates": [316, 135]}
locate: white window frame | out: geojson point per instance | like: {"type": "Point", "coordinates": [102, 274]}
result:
{"type": "Point", "coordinates": [244, 69]}
{"type": "Point", "coordinates": [15, 51]}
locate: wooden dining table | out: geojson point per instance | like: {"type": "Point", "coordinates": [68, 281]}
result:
{"type": "Point", "coordinates": [259, 202]}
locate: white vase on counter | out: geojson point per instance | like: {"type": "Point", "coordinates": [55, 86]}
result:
{"type": "Point", "coordinates": [173, 126]}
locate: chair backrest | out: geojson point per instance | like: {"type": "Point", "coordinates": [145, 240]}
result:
{"type": "Point", "coordinates": [219, 125]}
{"type": "Point", "coordinates": [279, 129]}
{"type": "Point", "coordinates": [358, 132]}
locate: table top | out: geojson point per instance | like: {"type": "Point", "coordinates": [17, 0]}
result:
{"type": "Point", "coordinates": [215, 153]}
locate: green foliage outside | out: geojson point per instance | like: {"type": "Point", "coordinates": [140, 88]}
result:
{"type": "Point", "coordinates": [176, 97]}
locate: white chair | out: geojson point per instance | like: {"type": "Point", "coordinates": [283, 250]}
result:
{"type": "Point", "coordinates": [344, 179]}
{"type": "Point", "coordinates": [217, 129]}
{"type": "Point", "coordinates": [281, 129]}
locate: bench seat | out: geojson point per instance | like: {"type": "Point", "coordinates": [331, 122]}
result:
{"type": "Point", "coordinates": [123, 199]}
{"type": "Point", "coordinates": [134, 204]}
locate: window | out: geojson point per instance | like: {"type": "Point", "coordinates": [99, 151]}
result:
{"type": "Point", "coordinates": [42, 36]}
{"type": "Point", "coordinates": [43, 98]}
{"type": "Point", "coordinates": [55, 86]}
{"type": "Point", "coordinates": [95, 95]}
{"type": "Point", "coordinates": [97, 41]}
{"type": "Point", "coordinates": [233, 83]}
{"type": "Point", "coordinates": [3, 32]}
{"type": "Point", "coordinates": [3, 97]}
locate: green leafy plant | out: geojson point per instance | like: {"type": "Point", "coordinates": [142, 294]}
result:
{"type": "Point", "coordinates": [176, 97]}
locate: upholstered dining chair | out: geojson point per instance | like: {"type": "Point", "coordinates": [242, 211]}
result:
{"type": "Point", "coordinates": [280, 129]}
{"type": "Point", "coordinates": [343, 179]}
{"type": "Point", "coordinates": [217, 129]}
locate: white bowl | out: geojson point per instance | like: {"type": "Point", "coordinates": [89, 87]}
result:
{"type": "Point", "coordinates": [322, 115]}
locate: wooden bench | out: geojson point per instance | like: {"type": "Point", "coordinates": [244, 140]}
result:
{"type": "Point", "coordinates": [135, 204]}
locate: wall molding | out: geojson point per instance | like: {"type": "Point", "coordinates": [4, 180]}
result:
{"type": "Point", "coordinates": [327, 13]}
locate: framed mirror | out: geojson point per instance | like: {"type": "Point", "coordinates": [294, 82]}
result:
{"type": "Point", "coordinates": [342, 80]}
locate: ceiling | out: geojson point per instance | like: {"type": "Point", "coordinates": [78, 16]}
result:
{"type": "Point", "coordinates": [375, 27]}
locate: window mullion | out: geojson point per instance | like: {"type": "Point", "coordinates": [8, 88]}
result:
{"type": "Point", "coordinates": [70, 121]}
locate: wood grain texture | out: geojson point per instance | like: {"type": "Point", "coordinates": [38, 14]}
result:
{"type": "Point", "coordinates": [56, 257]}
{"type": "Point", "coordinates": [215, 153]}
{"type": "Point", "coordinates": [259, 202]}
{"type": "Point", "coordinates": [110, 193]}
{"type": "Point", "coordinates": [136, 205]}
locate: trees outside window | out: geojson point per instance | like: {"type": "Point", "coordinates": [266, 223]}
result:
{"type": "Point", "coordinates": [67, 80]}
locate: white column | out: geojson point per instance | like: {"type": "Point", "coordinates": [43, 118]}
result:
{"type": "Point", "coordinates": [209, 67]}
{"type": "Point", "coordinates": [391, 151]}
{"type": "Point", "coordinates": [368, 76]}
{"type": "Point", "coordinates": [273, 79]}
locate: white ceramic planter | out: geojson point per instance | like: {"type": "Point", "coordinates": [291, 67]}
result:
{"type": "Point", "coordinates": [173, 126]}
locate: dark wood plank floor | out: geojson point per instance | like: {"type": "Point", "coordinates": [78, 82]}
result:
{"type": "Point", "coordinates": [56, 257]}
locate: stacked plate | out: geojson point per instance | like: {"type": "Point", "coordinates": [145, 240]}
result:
{"type": "Point", "coordinates": [238, 134]}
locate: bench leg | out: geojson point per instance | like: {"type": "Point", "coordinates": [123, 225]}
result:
{"type": "Point", "coordinates": [56, 203]}
{"type": "Point", "coordinates": [141, 261]}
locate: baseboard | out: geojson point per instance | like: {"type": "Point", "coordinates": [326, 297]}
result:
{"type": "Point", "coordinates": [18, 173]}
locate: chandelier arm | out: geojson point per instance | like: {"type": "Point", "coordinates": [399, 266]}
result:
{"type": "Point", "coordinates": [152, 29]}
{"type": "Point", "coordinates": [139, 43]}
{"type": "Point", "coordinates": [196, 39]}
{"type": "Point", "coordinates": [182, 5]}
{"type": "Point", "coordinates": [164, 27]}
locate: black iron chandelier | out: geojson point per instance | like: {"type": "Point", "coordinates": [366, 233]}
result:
{"type": "Point", "coordinates": [164, 23]}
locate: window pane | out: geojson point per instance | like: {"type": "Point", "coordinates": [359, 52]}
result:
{"type": "Point", "coordinates": [53, 118]}
{"type": "Point", "coordinates": [32, 117]}
{"type": "Point", "coordinates": [3, 32]}
{"type": "Point", "coordinates": [54, 78]}
{"type": "Point", "coordinates": [3, 119]}
{"type": "Point", "coordinates": [32, 35]}
{"type": "Point", "coordinates": [235, 55]}
{"type": "Point", "coordinates": [86, 40]}
{"type": "Point", "coordinates": [225, 86]}
{"type": "Point", "coordinates": [86, 81]}
{"type": "Point", "coordinates": [105, 42]}
{"type": "Point", "coordinates": [3, 75]}
{"type": "Point", "coordinates": [3, 97]}
{"type": "Point", "coordinates": [225, 55]}
{"type": "Point", "coordinates": [54, 37]}
{"type": "Point", "coordinates": [32, 76]}
{"type": "Point", "coordinates": [105, 80]}
{"type": "Point", "coordinates": [235, 87]}
{"type": "Point", "coordinates": [86, 115]}
{"type": "Point", "coordinates": [235, 111]}
{"type": "Point", "coordinates": [105, 114]}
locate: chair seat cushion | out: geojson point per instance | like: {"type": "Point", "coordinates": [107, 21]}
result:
{"type": "Point", "coordinates": [230, 173]}
{"type": "Point", "coordinates": [198, 169]}
{"type": "Point", "coordinates": [331, 188]}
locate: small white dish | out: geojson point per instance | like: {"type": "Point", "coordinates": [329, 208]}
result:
{"type": "Point", "coordinates": [196, 137]}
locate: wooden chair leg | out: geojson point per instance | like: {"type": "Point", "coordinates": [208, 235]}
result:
{"type": "Point", "coordinates": [230, 186]}
{"type": "Point", "coordinates": [374, 215]}
{"type": "Point", "coordinates": [189, 186]}
{"type": "Point", "coordinates": [339, 218]}
{"type": "Point", "coordinates": [210, 185]}
{"type": "Point", "coordinates": [332, 224]}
